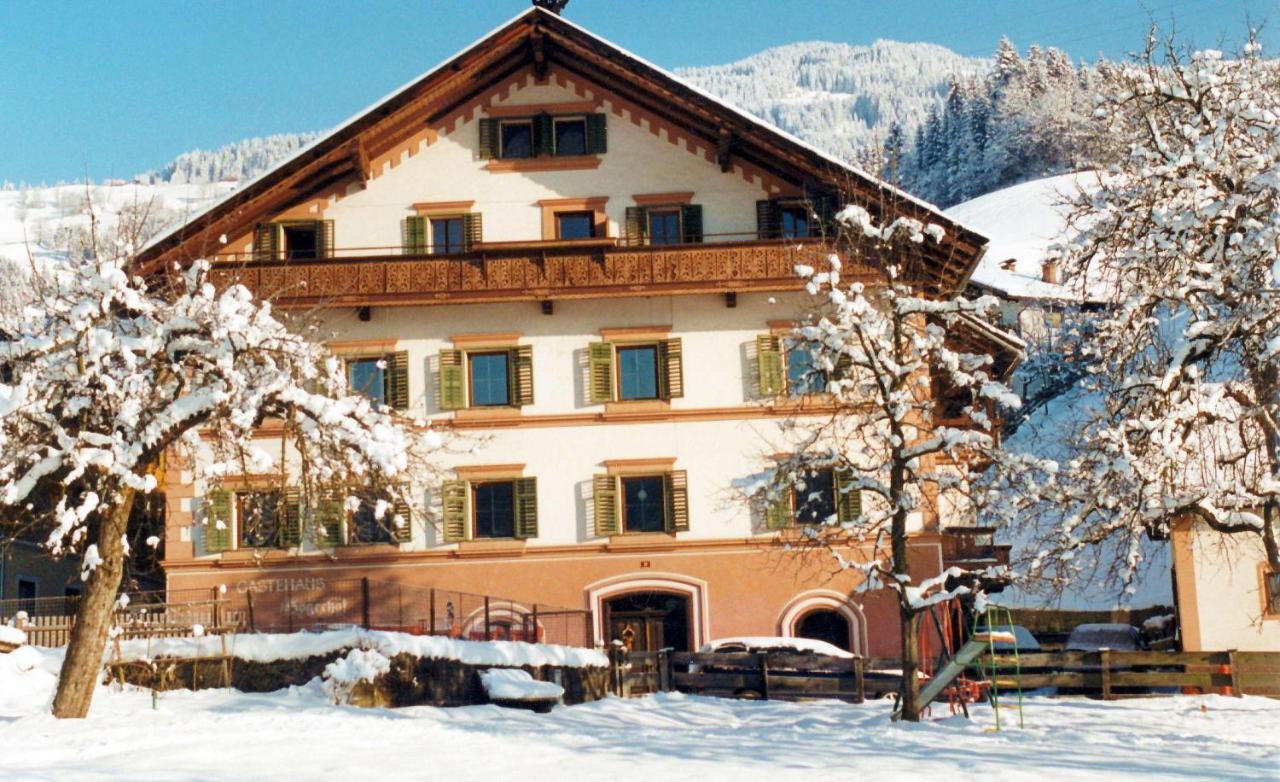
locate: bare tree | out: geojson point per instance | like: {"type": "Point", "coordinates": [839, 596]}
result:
{"type": "Point", "coordinates": [889, 360]}
{"type": "Point", "coordinates": [107, 372]}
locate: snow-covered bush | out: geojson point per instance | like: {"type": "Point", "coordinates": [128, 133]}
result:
{"type": "Point", "coordinates": [359, 666]}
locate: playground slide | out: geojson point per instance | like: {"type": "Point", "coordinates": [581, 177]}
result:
{"type": "Point", "coordinates": [971, 651]}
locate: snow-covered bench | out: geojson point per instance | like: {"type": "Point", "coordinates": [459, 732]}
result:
{"type": "Point", "coordinates": [515, 688]}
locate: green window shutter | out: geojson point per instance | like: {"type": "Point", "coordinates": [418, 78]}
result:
{"type": "Point", "coordinates": [488, 139]}
{"type": "Point", "coordinates": [217, 520]}
{"type": "Point", "coordinates": [691, 223]}
{"type": "Point", "coordinates": [415, 235]}
{"type": "Point", "coordinates": [291, 517]}
{"type": "Point", "coordinates": [521, 375]}
{"type": "Point", "coordinates": [848, 500]}
{"type": "Point", "coordinates": [330, 512]}
{"type": "Point", "coordinates": [600, 371]}
{"type": "Point", "coordinates": [597, 134]}
{"type": "Point", "coordinates": [670, 369]}
{"type": "Point", "coordinates": [472, 230]}
{"type": "Point", "coordinates": [768, 222]}
{"type": "Point", "coordinates": [769, 361]}
{"type": "Point", "coordinates": [676, 484]}
{"type": "Point", "coordinates": [637, 228]}
{"type": "Point", "coordinates": [604, 501]}
{"type": "Point", "coordinates": [453, 497]}
{"type": "Point", "coordinates": [777, 510]}
{"type": "Point", "coordinates": [452, 391]}
{"type": "Point", "coordinates": [266, 242]}
{"type": "Point", "coordinates": [402, 523]}
{"type": "Point", "coordinates": [324, 239]}
{"type": "Point", "coordinates": [544, 141]}
{"type": "Point", "coordinates": [526, 494]}
{"type": "Point", "coordinates": [397, 386]}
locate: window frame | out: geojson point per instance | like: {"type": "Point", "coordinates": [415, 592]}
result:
{"type": "Point", "coordinates": [785, 209]}
{"type": "Point", "coordinates": [469, 356]}
{"type": "Point", "coordinates": [591, 222]}
{"type": "Point", "coordinates": [821, 374]}
{"type": "Point", "coordinates": [618, 350]}
{"type": "Point", "coordinates": [503, 124]}
{"type": "Point", "coordinates": [624, 523]}
{"type": "Point", "coordinates": [352, 528]}
{"type": "Point", "coordinates": [667, 209]}
{"type": "Point", "coordinates": [348, 360]}
{"type": "Point", "coordinates": [832, 499]}
{"type": "Point", "coordinates": [317, 234]}
{"type": "Point", "coordinates": [555, 134]}
{"type": "Point", "coordinates": [474, 520]}
{"type": "Point", "coordinates": [1270, 592]}
{"type": "Point", "coordinates": [449, 249]}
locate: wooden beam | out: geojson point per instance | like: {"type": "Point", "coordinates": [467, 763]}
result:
{"type": "Point", "coordinates": [724, 149]}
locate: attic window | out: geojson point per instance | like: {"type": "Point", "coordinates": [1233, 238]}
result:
{"type": "Point", "coordinates": [1009, 264]}
{"type": "Point", "coordinates": [571, 135]}
{"type": "Point", "coordinates": [517, 139]}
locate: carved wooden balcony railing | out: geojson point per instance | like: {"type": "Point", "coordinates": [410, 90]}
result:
{"type": "Point", "coordinates": [527, 271]}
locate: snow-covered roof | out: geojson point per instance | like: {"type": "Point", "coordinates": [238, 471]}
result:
{"type": "Point", "coordinates": [1021, 222]}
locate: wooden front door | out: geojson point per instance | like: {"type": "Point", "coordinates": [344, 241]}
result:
{"type": "Point", "coordinates": [639, 631]}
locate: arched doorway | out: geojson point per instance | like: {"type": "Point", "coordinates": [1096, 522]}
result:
{"type": "Point", "coordinates": [649, 621]}
{"type": "Point", "coordinates": [825, 624]}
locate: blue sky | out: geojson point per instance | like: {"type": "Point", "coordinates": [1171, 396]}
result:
{"type": "Point", "coordinates": [109, 89]}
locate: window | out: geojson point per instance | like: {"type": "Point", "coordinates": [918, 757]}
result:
{"type": "Point", "coordinates": [367, 376]}
{"type": "Point", "coordinates": [495, 509]}
{"type": "Point", "coordinates": [489, 509]}
{"type": "Point", "coordinates": [575, 225]}
{"type": "Point", "coordinates": [383, 379]}
{"type": "Point", "coordinates": [638, 372]}
{"type": "Point", "coordinates": [571, 136]}
{"type": "Point", "coordinates": [635, 371]}
{"type": "Point", "coordinates": [815, 497]}
{"type": "Point", "coordinates": [490, 385]}
{"type": "Point", "coordinates": [447, 235]}
{"type": "Point", "coordinates": [27, 595]}
{"type": "Point", "coordinates": [795, 222]}
{"type": "Point", "coordinates": [802, 376]}
{"type": "Point", "coordinates": [517, 139]}
{"type": "Point", "coordinates": [365, 526]}
{"type": "Point", "coordinates": [1271, 581]}
{"type": "Point", "coordinates": [643, 504]}
{"type": "Point", "coordinates": [301, 241]}
{"type": "Point", "coordinates": [293, 240]}
{"type": "Point", "coordinates": [492, 377]}
{"type": "Point", "coordinates": [664, 226]}
{"type": "Point", "coordinates": [259, 519]}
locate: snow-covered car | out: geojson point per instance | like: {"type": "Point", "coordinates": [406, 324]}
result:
{"type": "Point", "coordinates": [1117, 637]}
{"type": "Point", "coordinates": [1024, 642]}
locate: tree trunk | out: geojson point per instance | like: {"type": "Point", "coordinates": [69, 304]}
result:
{"type": "Point", "coordinates": [82, 666]}
{"type": "Point", "coordinates": [911, 706]}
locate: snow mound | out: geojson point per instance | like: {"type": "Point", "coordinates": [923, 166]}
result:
{"type": "Point", "coordinates": [760, 642]}
{"type": "Point", "coordinates": [12, 635]}
{"type": "Point", "coordinates": [358, 666]}
{"type": "Point", "coordinates": [513, 684]}
{"type": "Point", "coordinates": [269, 647]}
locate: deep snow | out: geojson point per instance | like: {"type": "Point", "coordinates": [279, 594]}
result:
{"type": "Point", "coordinates": [298, 734]}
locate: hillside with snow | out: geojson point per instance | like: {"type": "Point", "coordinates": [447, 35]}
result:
{"type": "Point", "coordinates": [839, 97]}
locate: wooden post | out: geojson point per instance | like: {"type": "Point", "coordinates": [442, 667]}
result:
{"type": "Point", "coordinates": [664, 670]}
{"type": "Point", "coordinates": [289, 605]}
{"type": "Point", "coordinates": [431, 612]}
{"type": "Point", "coordinates": [536, 639]}
{"type": "Point", "coordinates": [487, 637]}
{"type": "Point", "coordinates": [764, 674]}
{"type": "Point", "coordinates": [364, 602]}
{"type": "Point", "coordinates": [1104, 661]}
{"type": "Point", "coordinates": [400, 607]}
{"type": "Point", "coordinates": [859, 683]}
{"type": "Point", "coordinates": [1235, 677]}
{"type": "Point", "coordinates": [249, 602]}
{"type": "Point", "coordinates": [216, 613]}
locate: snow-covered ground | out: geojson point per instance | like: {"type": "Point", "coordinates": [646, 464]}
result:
{"type": "Point", "coordinates": [298, 734]}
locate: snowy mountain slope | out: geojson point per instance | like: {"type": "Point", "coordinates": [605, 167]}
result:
{"type": "Point", "coordinates": [836, 96]}
{"type": "Point", "coordinates": [242, 160]}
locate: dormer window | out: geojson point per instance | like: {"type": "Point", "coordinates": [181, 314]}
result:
{"type": "Point", "coordinates": [542, 135]}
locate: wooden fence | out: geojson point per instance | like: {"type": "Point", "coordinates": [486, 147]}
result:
{"type": "Point", "coordinates": [786, 676]}
{"type": "Point", "coordinates": [1110, 674]}
{"type": "Point", "coordinates": [152, 620]}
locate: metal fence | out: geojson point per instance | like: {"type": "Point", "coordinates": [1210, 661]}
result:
{"type": "Point", "coordinates": [287, 605]}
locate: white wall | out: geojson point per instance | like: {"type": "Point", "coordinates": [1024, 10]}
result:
{"type": "Point", "coordinates": [1227, 591]}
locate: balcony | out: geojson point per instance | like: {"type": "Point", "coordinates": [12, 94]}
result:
{"type": "Point", "coordinates": [515, 271]}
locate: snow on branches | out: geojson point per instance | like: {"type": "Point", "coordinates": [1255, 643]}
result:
{"type": "Point", "coordinates": [1185, 232]}
{"type": "Point", "coordinates": [913, 405]}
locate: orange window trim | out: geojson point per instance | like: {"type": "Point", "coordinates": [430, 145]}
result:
{"type": "Point", "coordinates": [438, 207]}
{"type": "Point", "coordinates": [650, 466]}
{"type": "Point", "coordinates": [565, 163]}
{"type": "Point", "coordinates": [663, 199]}
{"type": "Point", "coordinates": [502, 339]}
{"type": "Point", "coordinates": [489, 472]}
{"type": "Point", "coordinates": [594, 204]}
{"type": "Point", "coordinates": [362, 347]}
{"type": "Point", "coordinates": [635, 333]}
{"type": "Point", "coordinates": [530, 109]}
